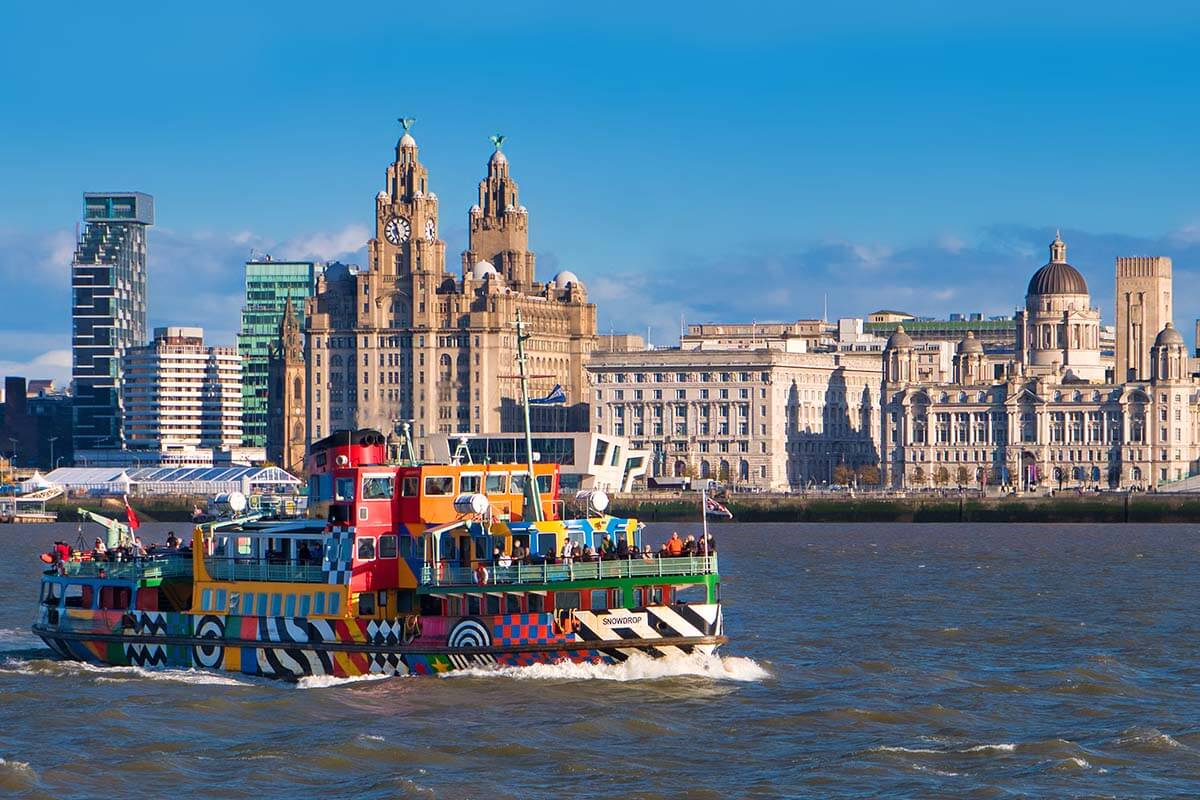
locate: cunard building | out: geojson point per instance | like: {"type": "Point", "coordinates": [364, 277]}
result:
{"type": "Point", "coordinates": [406, 340]}
{"type": "Point", "coordinates": [1053, 416]}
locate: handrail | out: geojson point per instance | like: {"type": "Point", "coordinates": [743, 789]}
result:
{"type": "Point", "coordinates": [447, 574]}
{"type": "Point", "coordinates": [170, 566]}
{"type": "Point", "coordinates": [249, 569]}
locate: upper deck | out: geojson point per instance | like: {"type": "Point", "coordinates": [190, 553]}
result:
{"type": "Point", "coordinates": [446, 575]}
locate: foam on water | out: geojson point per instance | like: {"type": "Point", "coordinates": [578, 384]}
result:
{"type": "Point", "coordinates": [637, 667]}
{"type": "Point", "coordinates": [18, 639]}
{"type": "Point", "coordinates": [329, 681]}
{"type": "Point", "coordinates": [112, 674]}
{"type": "Point", "coordinates": [1004, 747]}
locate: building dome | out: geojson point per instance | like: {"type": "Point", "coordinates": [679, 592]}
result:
{"type": "Point", "coordinates": [1057, 279]}
{"type": "Point", "coordinates": [407, 140]}
{"type": "Point", "coordinates": [1057, 276]}
{"type": "Point", "coordinates": [565, 278]}
{"type": "Point", "coordinates": [899, 339]}
{"type": "Point", "coordinates": [482, 269]}
{"type": "Point", "coordinates": [1168, 335]}
{"type": "Point", "coordinates": [970, 344]}
{"type": "Point", "coordinates": [498, 158]}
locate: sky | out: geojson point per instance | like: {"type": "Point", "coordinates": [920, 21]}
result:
{"type": "Point", "coordinates": [690, 162]}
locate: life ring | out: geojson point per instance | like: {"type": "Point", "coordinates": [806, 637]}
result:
{"type": "Point", "coordinates": [412, 627]}
{"type": "Point", "coordinates": [481, 575]}
{"type": "Point", "coordinates": [47, 558]}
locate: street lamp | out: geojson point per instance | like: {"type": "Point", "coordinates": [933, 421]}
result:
{"type": "Point", "coordinates": [53, 439]}
{"type": "Point", "coordinates": [13, 440]}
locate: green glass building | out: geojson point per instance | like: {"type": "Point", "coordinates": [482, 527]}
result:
{"type": "Point", "coordinates": [269, 285]}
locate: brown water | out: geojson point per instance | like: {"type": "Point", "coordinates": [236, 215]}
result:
{"type": "Point", "coordinates": [866, 660]}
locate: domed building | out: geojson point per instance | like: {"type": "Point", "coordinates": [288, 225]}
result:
{"type": "Point", "coordinates": [1052, 416]}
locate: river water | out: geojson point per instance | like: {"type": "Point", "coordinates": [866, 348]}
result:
{"type": "Point", "coordinates": [987, 661]}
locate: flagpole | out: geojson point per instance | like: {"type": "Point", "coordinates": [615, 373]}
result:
{"type": "Point", "coordinates": [704, 509]}
{"type": "Point", "coordinates": [533, 487]}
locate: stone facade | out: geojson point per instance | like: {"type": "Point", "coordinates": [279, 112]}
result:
{"type": "Point", "coordinates": [404, 339]}
{"type": "Point", "coordinates": [1143, 307]}
{"type": "Point", "coordinates": [287, 395]}
{"type": "Point", "coordinates": [1055, 417]}
{"type": "Point", "coordinates": [758, 418]}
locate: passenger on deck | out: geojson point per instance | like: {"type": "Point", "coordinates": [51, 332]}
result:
{"type": "Point", "coordinates": [607, 548]}
{"type": "Point", "coordinates": [711, 544]}
{"type": "Point", "coordinates": [647, 553]}
{"type": "Point", "coordinates": [99, 551]}
{"type": "Point", "coordinates": [304, 555]}
{"type": "Point", "coordinates": [172, 540]}
{"type": "Point", "coordinates": [674, 545]}
{"type": "Point", "coordinates": [689, 546]}
{"type": "Point", "coordinates": [505, 560]}
{"type": "Point", "coordinates": [663, 551]}
{"type": "Point", "coordinates": [568, 551]}
{"type": "Point", "coordinates": [622, 548]}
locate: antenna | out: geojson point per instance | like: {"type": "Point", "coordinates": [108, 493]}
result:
{"type": "Point", "coordinates": [825, 313]}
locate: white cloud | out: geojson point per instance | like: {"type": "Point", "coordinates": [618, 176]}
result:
{"type": "Point", "coordinates": [327, 246]}
{"type": "Point", "coordinates": [55, 364]}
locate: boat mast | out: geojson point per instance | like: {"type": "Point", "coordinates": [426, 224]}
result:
{"type": "Point", "coordinates": [533, 487]}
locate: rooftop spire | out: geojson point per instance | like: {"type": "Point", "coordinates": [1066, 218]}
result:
{"type": "Point", "coordinates": [1058, 249]}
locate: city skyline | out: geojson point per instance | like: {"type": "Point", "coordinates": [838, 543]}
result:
{"type": "Point", "coordinates": [1033, 118]}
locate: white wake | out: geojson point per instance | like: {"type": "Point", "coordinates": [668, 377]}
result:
{"type": "Point", "coordinates": [637, 667]}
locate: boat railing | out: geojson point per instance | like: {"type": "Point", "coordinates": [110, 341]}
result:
{"type": "Point", "coordinates": [174, 565]}
{"type": "Point", "coordinates": [262, 569]}
{"type": "Point", "coordinates": [454, 574]}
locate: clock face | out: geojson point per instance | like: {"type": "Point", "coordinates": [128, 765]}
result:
{"type": "Point", "coordinates": [430, 230]}
{"type": "Point", "coordinates": [397, 230]}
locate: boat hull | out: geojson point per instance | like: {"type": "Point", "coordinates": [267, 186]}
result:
{"type": "Point", "coordinates": [293, 648]}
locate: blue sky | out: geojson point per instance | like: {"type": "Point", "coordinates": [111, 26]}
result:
{"type": "Point", "coordinates": [718, 162]}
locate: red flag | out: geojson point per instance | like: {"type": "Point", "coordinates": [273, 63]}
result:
{"type": "Point", "coordinates": [714, 509]}
{"type": "Point", "coordinates": [131, 517]}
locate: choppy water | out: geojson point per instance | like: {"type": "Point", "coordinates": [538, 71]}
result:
{"type": "Point", "coordinates": [866, 660]}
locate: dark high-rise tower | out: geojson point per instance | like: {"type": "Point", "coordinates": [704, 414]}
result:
{"type": "Point", "coordinates": [108, 309]}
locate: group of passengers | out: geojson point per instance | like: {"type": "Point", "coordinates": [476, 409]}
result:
{"type": "Point", "coordinates": [608, 550]}
{"type": "Point", "coordinates": [136, 549]}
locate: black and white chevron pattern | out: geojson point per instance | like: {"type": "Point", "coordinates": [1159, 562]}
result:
{"type": "Point", "coordinates": [147, 623]}
{"type": "Point", "coordinates": [609, 627]}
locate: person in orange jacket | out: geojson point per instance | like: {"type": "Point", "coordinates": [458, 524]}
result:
{"type": "Point", "coordinates": [674, 545]}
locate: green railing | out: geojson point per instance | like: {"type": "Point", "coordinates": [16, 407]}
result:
{"type": "Point", "coordinates": [138, 569]}
{"type": "Point", "coordinates": [446, 575]}
{"type": "Point", "coordinates": [228, 569]}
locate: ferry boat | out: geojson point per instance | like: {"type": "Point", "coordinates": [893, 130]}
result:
{"type": "Point", "coordinates": [411, 569]}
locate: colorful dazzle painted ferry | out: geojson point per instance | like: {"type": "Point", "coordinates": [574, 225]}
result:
{"type": "Point", "coordinates": [411, 569]}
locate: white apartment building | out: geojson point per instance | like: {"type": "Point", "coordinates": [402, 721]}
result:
{"type": "Point", "coordinates": [180, 394]}
{"type": "Point", "coordinates": [759, 418]}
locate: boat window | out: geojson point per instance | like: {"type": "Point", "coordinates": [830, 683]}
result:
{"type": "Point", "coordinates": [276, 604]}
{"type": "Point", "coordinates": [546, 543]}
{"type": "Point", "coordinates": [243, 546]}
{"type": "Point", "coordinates": [347, 549]}
{"type": "Point", "coordinates": [566, 600]}
{"type": "Point", "coordinates": [206, 599]}
{"type": "Point", "coordinates": [408, 547]}
{"type": "Point", "coordinates": [377, 487]}
{"type": "Point", "coordinates": [497, 483]}
{"type": "Point", "coordinates": [74, 596]}
{"type": "Point", "coordinates": [656, 595]}
{"type": "Point", "coordinates": [235, 603]}
{"type": "Point", "coordinates": [519, 479]}
{"type": "Point", "coordinates": [473, 605]}
{"type": "Point", "coordinates": [343, 489]}
{"type": "Point", "coordinates": [220, 606]}
{"type": "Point", "coordinates": [512, 604]}
{"type": "Point", "coordinates": [481, 549]}
{"type": "Point", "coordinates": [545, 483]}
{"type": "Point", "coordinates": [339, 515]}
{"type": "Point", "coordinates": [319, 603]}
{"type": "Point", "coordinates": [716, 593]}
{"type": "Point", "coordinates": [366, 604]}
{"type": "Point", "coordinates": [387, 546]}
{"type": "Point", "coordinates": [50, 594]}
{"type": "Point", "coordinates": [599, 600]}
{"type": "Point", "coordinates": [114, 597]}
{"type": "Point", "coordinates": [537, 603]}
{"type": "Point", "coordinates": [493, 604]}
{"type": "Point", "coordinates": [261, 607]}
{"type": "Point", "coordinates": [366, 548]}
{"type": "Point", "coordinates": [335, 602]}
{"type": "Point", "coordinates": [454, 606]}
{"type": "Point", "coordinates": [305, 605]}
{"type": "Point", "coordinates": [469, 484]}
{"type": "Point", "coordinates": [696, 593]}
{"type": "Point", "coordinates": [410, 487]}
{"type": "Point", "coordinates": [439, 485]}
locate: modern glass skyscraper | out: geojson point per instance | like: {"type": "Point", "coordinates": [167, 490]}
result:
{"type": "Point", "coordinates": [269, 285]}
{"type": "Point", "coordinates": [108, 309]}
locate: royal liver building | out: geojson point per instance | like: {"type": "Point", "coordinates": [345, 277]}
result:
{"type": "Point", "coordinates": [1053, 415]}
